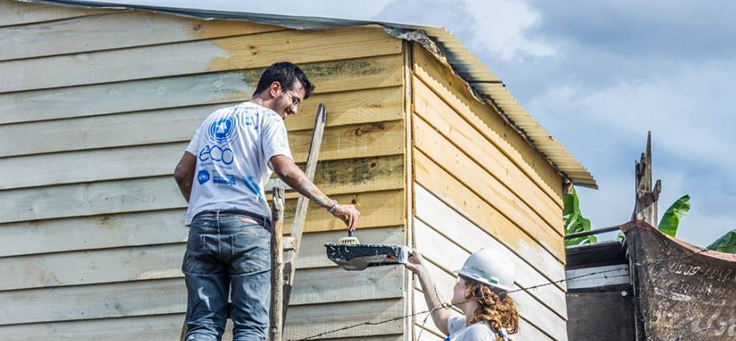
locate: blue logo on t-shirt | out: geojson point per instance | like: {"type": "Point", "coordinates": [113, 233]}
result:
{"type": "Point", "coordinates": [203, 176]}
{"type": "Point", "coordinates": [227, 179]}
{"type": "Point", "coordinates": [252, 186]}
{"type": "Point", "coordinates": [216, 153]}
{"type": "Point", "coordinates": [221, 130]}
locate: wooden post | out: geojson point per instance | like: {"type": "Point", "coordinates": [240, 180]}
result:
{"type": "Point", "coordinates": [645, 207]}
{"type": "Point", "coordinates": [302, 204]}
{"type": "Point", "coordinates": [277, 266]}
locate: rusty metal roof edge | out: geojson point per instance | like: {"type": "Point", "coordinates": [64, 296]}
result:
{"type": "Point", "coordinates": [439, 41]}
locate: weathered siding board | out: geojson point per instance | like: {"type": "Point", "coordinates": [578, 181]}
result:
{"type": "Point", "coordinates": [109, 237]}
{"type": "Point", "coordinates": [113, 31]}
{"type": "Point", "coordinates": [258, 50]}
{"type": "Point", "coordinates": [176, 92]}
{"type": "Point", "coordinates": [145, 262]}
{"type": "Point", "coordinates": [306, 321]}
{"type": "Point", "coordinates": [448, 257]}
{"type": "Point", "coordinates": [90, 267]}
{"type": "Point", "coordinates": [168, 295]}
{"type": "Point", "coordinates": [154, 328]}
{"type": "Point", "coordinates": [104, 214]}
{"type": "Point", "coordinates": [475, 178]}
{"type": "Point", "coordinates": [302, 321]}
{"type": "Point", "coordinates": [170, 125]}
{"type": "Point", "coordinates": [382, 208]}
{"type": "Point", "coordinates": [19, 13]}
{"type": "Point", "coordinates": [345, 142]}
{"type": "Point", "coordinates": [89, 199]}
{"type": "Point", "coordinates": [437, 234]}
{"type": "Point", "coordinates": [477, 183]}
{"type": "Point", "coordinates": [454, 193]}
{"type": "Point", "coordinates": [430, 209]}
{"type": "Point", "coordinates": [94, 232]}
{"type": "Point", "coordinates": [464, 136]}
{"type": "Point", "coordinates": [180, 91]}
{"type": "Point", "coordinates": [488, 122]}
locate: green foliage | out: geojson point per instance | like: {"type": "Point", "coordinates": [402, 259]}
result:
{"type": "Point", "coordinates": [727, 243]}
{"type": "Point", "coordinates": [574, 220]}
{"type": "Point", "coordinates": [671, 219]}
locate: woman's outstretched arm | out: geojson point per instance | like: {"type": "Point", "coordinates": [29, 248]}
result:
{"type": "Point", "coordinates": [434, 300]}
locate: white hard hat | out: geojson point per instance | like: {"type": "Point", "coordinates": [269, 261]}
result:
{"type": "Point", "coordinates": [491, 267]}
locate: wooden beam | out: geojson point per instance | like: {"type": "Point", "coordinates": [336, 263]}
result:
{"type": "Point", "coordinates": [218, 89]}
{"type": "Point", "coordinates": [161, 193]}
{"type": "Point", "coordinates": [345, 142]}
{"type": "Point", "coordinates": [276, 311]}
{"type": "Point", "coordinates": [448, 123]}
{"type": "Point", "coordinates": [22, 13]}
{"type": "Point", "coordinates": [166, 296]}
{"type": "Point", "coordinates": [478, 180]}
{"type": "Point", "coordinates": [221, 54]}
{"type": "Point", "coordinates": [112, 31]}
{"type": "Point", "coordinates": [457, 195]}
{"type": "Point", "coordinates": [300, 216]}
{"type": "Point", "coordinates": [439, 215]}
{"type": "Point", "coordinates": [488, 122]}
{"type": "Point", "coordinates": [597, 276]}
{"type": "Point", "coordinates": [178, 125]}
{"type": "Point", "coordinates": [646, 197]}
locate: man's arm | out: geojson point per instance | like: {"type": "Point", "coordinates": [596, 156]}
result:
{"type": "Point", "coordinates": [293, 176]}
{"type": "Point", "coordinates": [184, 174]}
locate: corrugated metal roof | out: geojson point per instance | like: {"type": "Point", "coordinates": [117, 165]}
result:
{"type": "Point", "coordinates": [481, 81]}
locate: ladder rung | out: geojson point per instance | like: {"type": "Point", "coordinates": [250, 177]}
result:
{"type": "Point", "coordinates": [288, 243]}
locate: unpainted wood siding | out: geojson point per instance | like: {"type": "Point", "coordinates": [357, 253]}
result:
{"type": "Point", "coordinates": [96, 108]}
{"type": "Point", "coordinates": [478, 184]}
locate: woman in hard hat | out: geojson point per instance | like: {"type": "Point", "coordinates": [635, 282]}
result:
{"type": "Point", "coordinates": [480, 292]}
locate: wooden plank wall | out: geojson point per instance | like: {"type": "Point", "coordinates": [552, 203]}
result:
{"type": "Point", "coordinates": [478, 184]}
{"type": "Point", "coordinates": [96, 108]}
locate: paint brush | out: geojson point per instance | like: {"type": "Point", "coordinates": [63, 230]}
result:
{"type": "Point", "coordinates": [350, 239]}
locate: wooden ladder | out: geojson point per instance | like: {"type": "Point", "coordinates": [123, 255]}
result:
{"type": "Point", "coordinates": [282, 273]}
{"type": "Point", "coordinates": [287, 248]}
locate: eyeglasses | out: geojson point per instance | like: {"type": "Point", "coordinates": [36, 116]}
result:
{"type": "Point", "coordinates": [294, 101]}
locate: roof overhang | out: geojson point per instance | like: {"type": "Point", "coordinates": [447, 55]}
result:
{"type": "Point", "coordinates": [481, 82]}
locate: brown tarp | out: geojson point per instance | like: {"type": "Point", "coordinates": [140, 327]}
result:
{"type": "Point", "coordinates": [682, 292]}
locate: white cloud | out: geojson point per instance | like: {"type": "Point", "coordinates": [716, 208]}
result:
{"type": "Point", "coordinates": [691, 117]}
{"type": "Point", "coordinates": [499, 28]}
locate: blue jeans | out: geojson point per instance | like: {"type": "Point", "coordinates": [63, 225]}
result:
{"type": "Point", "coordinates": [226, 256]}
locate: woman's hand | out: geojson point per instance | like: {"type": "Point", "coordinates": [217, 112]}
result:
{"type": "Point", "coordinates": [415, 263]}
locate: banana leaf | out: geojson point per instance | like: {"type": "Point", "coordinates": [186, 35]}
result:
{"type": "Point", "coordinates": [671, 218]}
{"type": "Point", "coordinates": [574, 220]}
{"type": "Point", "coordinates": [726, 244]}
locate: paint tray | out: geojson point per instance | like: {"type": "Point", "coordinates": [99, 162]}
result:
{"type": "Point", "coordinates": [358, 257]}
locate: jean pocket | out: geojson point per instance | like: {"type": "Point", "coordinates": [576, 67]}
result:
{"type": "Point", "coordinates": [200, 256]}
{"type": "Point", "coordinates": [251, 251]}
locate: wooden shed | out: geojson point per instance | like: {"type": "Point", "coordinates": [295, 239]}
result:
{"type": "Point", "coordinates": [97, 105]}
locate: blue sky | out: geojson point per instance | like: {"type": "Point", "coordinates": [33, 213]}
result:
{"type": "Point", "coordinates": [598, 75]}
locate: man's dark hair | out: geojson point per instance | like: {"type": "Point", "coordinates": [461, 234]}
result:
{"type": "Point", "coordinates": [286, 74]}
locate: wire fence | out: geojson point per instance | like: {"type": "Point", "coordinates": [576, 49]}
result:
{"type": "Point", "coordinates": [526, 289]}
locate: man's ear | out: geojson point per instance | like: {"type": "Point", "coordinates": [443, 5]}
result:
{"type": "Point", "coordinates": [274, 89]}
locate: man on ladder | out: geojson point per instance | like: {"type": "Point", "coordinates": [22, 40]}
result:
{"type": "Point", "coordinates": [222, 176]}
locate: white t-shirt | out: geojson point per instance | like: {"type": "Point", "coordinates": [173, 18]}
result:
{"type": "Point", "coordinates": [474, 332]}
{"type": "Point", "coordinates": [233, 147]}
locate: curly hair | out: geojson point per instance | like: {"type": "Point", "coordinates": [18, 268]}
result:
{"type": "Point", "coordinates": [495, 307]}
